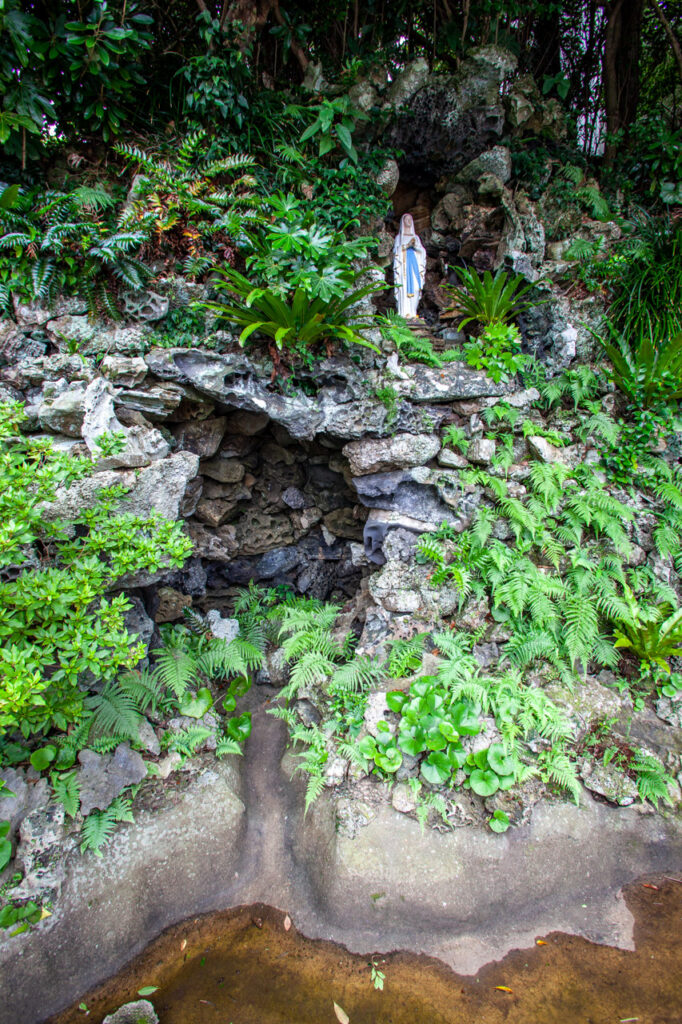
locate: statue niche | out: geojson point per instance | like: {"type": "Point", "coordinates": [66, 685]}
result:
{"type": "Point", "coordinates": [409, 266]}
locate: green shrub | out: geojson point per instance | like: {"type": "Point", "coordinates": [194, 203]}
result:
{"type": "Point", "coordinates": [488, 300]}
{"type": "Point", "coordinates": [59, 625]}
{"type": "Point", "coordinates": [297, 324]}
{"type": "Point", "coordinates": [649, 372]}
{"type": "Point", "coordinates": [295, 252]}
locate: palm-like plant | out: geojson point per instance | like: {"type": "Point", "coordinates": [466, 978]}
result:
{"type": "Point", "coordinates": [297, 323]}
{"type": "Point", "coordinates": [488, 300]}
{"type": "Point", "coordinates": [652, 632]}
{"type": "Point", "coordinates": [648, 372]}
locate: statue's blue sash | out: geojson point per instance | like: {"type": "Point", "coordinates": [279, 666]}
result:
{"type": "Point", "coordinates": [412, 266]}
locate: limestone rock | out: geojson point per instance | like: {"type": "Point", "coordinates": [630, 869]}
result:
{"type": "Point", "coordinates": [541, 449]}
{"type": "Point", "coordinates": [142, 445]}
{"type": "Point", "coordinates": [172, 603]}
{"type": "Point", "coordinates": [139, 1012]}
{"type": "Point", "coordinates": [146, 306]}
{"type": "Point", "coordinates": [377, 710]}
{"type": "Point", "coordinates": [226, 471]}
{"type": "Point", "coordinates": [403, 799]}
{"type": "Point", "coordinates": [124, 371]}
{"type": "Point", "coordinates": [64, 415]}
{"type": "Point", "coordinates": [669, 709]}
{"type": "Point", "coordinates": [137, 622]}
{"type": "Point", "coordinates": [399, 451]}
{"type": "Point", "coordinates": [408, 82]}
{"type": "Point", "coordinates": [481, 451]}
{"type": "Point", "coordinates": [202, 437]}
{"type": "Point", "coordinates": [41, 852]}
{"type": "Point", "coordinates": [160, 487]}
{"type": "Point", "coordinates": [388, 177]}
{"type": "Point", "coordinates": [248, 423]}
{"type": "Point", "coordinates": [223, 629]}
{"type": "Point", "coordinates": [452, 382]}
{"type": "Point", "coordinates": [610, 782]}
{"type": "Point", "coordinates": [103, 776]}
{"type": "Point", "coordinates": [156, 400]}
{"type": "Point", "coordinates": [451, 460]}
{"type": "Point", "coordinates": [28, 795]}
{"type": "Point", "coordinates": [495, 161]}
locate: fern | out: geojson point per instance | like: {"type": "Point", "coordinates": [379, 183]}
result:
{"type": "Point", "coordinates": [357, 675]}
{"type": "Point", "coordinates": [555, 766]}
{"type": "Point", "coordinates": [405, 656]}
{"type": "Point", "coordinates": [99, 825]}
{"type": "Point", "coordinates": [186, 741]}
{"type": "Point", "coordinates": [176, 669]}
{"type": "Point", "coordinates": [66, 789]}
{"type": "Point", "coordinates": [652, 779]}
{"type": "Point", "coordinates": [113, 711]}
{"type": "Point", "coordinates": [226, 745]}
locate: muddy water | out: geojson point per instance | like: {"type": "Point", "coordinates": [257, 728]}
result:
{"type": "Point", "coordinates": [246, 967]}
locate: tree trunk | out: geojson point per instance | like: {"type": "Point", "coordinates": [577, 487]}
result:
{"type": "Point", "coordinates": [621, 68]}
{"type": "Point", "coordinates": [668, 29]}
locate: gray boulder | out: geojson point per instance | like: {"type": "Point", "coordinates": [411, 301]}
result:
{"type": "Point", "coordinates": [103, 776]}
{"type": "Point", "coordinates": [139, 1012]}
{"type": "Point", "coordinates": [399, 451]}
{"type": "Point", "coordinates": [158, 488]}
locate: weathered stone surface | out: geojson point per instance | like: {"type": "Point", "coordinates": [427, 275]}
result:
{"type": "Point", "coordinates": [399, 451]}
{"type": "Point", "coordinates": [481, 451]}
{"type": "Point", "coordinates": [41, 851]}
{"type": "Point", "coordinates": [160, 487]}
{"type": "Point", "coordinates": [146, 306]}
{"type": "Point", "coordinates": [29, 794]}
{"type": "Point", "coordinates": [388, 177]}
{"type": "Point", "coordinates": [202, 437]}
{"type": "Point", "coordinates": [171, 604]}
{"type": "Point", "coordinates": [610, 782]}
{"type": "Point", "coordinates": [137, 621]}
{"type": "Point", "coordinates": [226, 471]}
{"type": "Point", "coordinates": [64, 415]}
{"type": "Point", "coordinates": [542, 450]}
{"type": "Point", "coordinates": [124, 371]}
{"type": "Point", "coordinates": [495, 161]}
{"type": "Point", "coordinates": [408, 82]}
{"type": "Point", "coordinates": [453, 382]}
{"type": "Point", "coordinates": [155, 400]}
{"type": "Point", "coordinates": [223, 629]}
{"type": "Point", "coordinates": [248, 423]}
{"type": "Point", "coordinates": [377, 710]}
{"type": "Point", "coordinates": [143, 445]}
{"type": "Point", "coordinates": [234, 380]}
{"type": "Point", "coordinates": [451, 460]}
{"type": "Point", "coordinates": [139, 1012]}
{"type": "Point", "coordinates": [103, 776]}
{"type": "Point", "coordinates": [669, 709]}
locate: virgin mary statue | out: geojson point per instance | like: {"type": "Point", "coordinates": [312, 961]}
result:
{"type": "Point", "coordinates": [409, 265]}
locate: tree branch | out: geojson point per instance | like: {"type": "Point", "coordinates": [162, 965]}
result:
{"type": "Point", "coordinates": [668, 29]}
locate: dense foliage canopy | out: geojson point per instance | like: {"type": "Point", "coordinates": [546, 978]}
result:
{"type": "Point", "coordinates": [89, 71]}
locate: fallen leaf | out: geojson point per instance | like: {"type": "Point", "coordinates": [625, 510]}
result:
{"type": "Point", "coordinates": [540, 942]}
{"type": "Point", "coordinates": [183, 945]}
{"type": "Point", "coordinates": [287, 923]}
{"type": "Point", "coordinates": [44, 913]}
{"type": "Point", "coordinates": [147, 990]}
{"type": "Point", "coordinates": [503, 988]}
{"type": "Point", "coordinates": [648, 885]}
{"type": "Point", "coordinates": [341, 1015]}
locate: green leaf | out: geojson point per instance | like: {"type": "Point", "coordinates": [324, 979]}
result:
{"type": "Point", "coordinates": [499, 760]}
{"type": "Point", "coordinates": [42, 757]}
{"type": "Point", "coordinates": [240, 728]}
{"type": "Point", "coordinates": [396, 700]}
{"type": "Point", "coordinates": [499, 822]}
{"type": "Point", "coordinates": [196, 707]}
{"type": "Point", "coordinates": [485, 783]}
{"type": "Point", "coordinates": [148, 990]}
